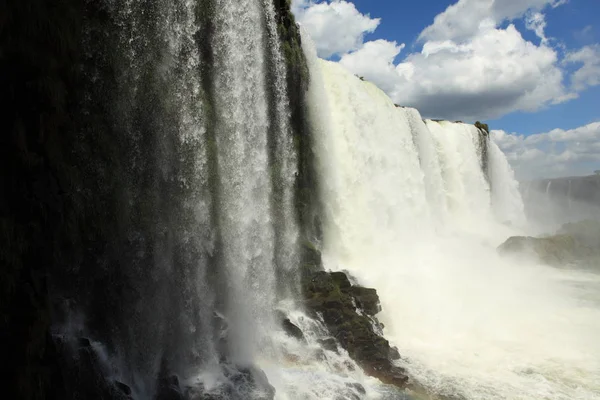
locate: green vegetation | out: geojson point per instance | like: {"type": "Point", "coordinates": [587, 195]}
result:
{"type": "Point", "coordinates": [483, 127]}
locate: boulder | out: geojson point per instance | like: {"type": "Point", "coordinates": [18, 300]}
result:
{"type": "Point", "coordinates": [348, 312]}
{"type": "Point", "coordinates": [366, 299]}
{"type": "Point", "coordinates": [125, 389]}
{"type": "Point", "coordinates": [292, 330]}
{"type": "Point", "coordinates": [329, 344]}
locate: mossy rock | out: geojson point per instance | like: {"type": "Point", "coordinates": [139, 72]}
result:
{"type": "Point", "coordinates": [482, 127]}
{"type": "Point", "coordinates": [348, 312]}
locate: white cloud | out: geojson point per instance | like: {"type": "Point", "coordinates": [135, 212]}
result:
{"type": "Point", "coordinates": [589, 72]}
{"type": "Point", "coordinates": [462, 20]}
{"type": "Point", "coordinates": [552, 154]}
{"type": "Point", "coordinates": [471, 64]}
{"type": "Point", "coordinates": [536, 22]}
{"type": "Point", "coordinates": [494, 73]}
{"type": "Point", "coordinates": [336, 27]}
{"type": "Point", "coordinates": [375, 60]}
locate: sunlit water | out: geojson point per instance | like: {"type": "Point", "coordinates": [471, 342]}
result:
{"type": "Point", "coordinates": [468, 323]}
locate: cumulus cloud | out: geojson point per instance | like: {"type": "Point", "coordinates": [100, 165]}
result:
{"type": "Point", "coordinates": [552, 154]}
{"type": "Point", "coordinates": [462, 20]}
{"type": "Point", "coordinates": [336, 27]}
{"type": "Point", "coordinates": [472, 63]}
{"type": "Point", "coordinates": [494, 73]}
{"type": "Point", "coordinates": [536, 22]}
{"type": "Point", "coordinates": [589, 72]}
{"type": "Point", "coordinates": [375, 60]}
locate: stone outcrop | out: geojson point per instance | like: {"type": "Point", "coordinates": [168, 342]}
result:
{"type": "Point", "coordinates": [574, 244]}
{"type": "Point", "coordinates": [349, 311]}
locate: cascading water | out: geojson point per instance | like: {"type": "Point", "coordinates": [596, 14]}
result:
{"type": "Point", "coordinates": [428, 155]}
{"type": "Point", "coordinates": [469, 323]}
{"type": "Point", "coordinates": [506, 198]}
{"type": "Point", "coordinates": [245, 188]}
{"type": "Point", "coordinates": [467, 190]}
{"type": "Point", "coordinates": [180, 178]}
{"type": "Point", "coordinates": [368, 163]}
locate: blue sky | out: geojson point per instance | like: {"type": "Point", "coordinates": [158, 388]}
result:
{"type": "Point", "coordinates": [530, 68]}
{"type": "Point", "coordinates": [573, 24]}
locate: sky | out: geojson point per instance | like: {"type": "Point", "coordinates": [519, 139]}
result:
{"type": "Point", "coordinates": [528, 68]}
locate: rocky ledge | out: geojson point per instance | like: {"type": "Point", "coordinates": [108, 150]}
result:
{"type": "Point", "coordinates": [573, 244]}
{"type": "Point", "coordinates": [349, 311]}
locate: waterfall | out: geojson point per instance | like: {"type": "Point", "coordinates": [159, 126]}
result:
{"type": "Point", "coordinates": [428, 149]}
{"type": "Point", "coordinates": [506, 198]}
{"type": "Point", "coordinates": [376, 183]}
{"type": "Point", "coordinates": [245, 189]}
{"type": "Point", "coordinates": [178, 172]}
{"type": "Point", "coordinates": [186, 131]}
{"type": "Point", "coordinates": [469, 323]}
{"type": "Point", "coordinates": [284, 158]}
{"type": "Point", "coordinates": [467, 191]}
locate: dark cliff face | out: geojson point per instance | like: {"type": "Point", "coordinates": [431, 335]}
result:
{"type": "Point", "coordinates": [38, 69]}
{"type": "Point", "coordinates": [83, 159]}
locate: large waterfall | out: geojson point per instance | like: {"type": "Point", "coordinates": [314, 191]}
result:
{"type": "Point", "coordinates": [415, 209]}
{"type": "Point", "coordinates": [184, 182]}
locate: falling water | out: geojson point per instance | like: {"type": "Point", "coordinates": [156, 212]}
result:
{"type": "Point", "coordinates": [283, 157]}
{"type": "Point", "coordinates": [428, 150]}
{"type": "Point", "coordinates": [245, 187]}
{"type": "Point", "coordinates": [189, 165]}
{"type": "Point", "coordinates": [506, 199]}
{"type": "Point", "coordinates": [469, 323]}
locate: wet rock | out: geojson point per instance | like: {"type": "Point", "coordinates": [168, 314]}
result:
{"type": "Point", "coordinates": [81, 372]}
{"type": "Point", "coordinates": [340, 280]}
{"type": "Point", "coordinates": [169, 388]}
{"type": "Point", "coordinates": [394, 354]}
{"type": "Point", "coordinates": [126, 390]}
{"type": "Point", "coordinates": [292, 330]}
{"type": "Point", "coordinates": [329, 344]}
{"type": "Point", "coordinates": [357, 386]}
{"type": "Point", "coordinates": [336, 299]}
{"type": "Point", "coordinates": [366, 299]}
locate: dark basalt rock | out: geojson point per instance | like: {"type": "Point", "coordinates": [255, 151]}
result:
{"type": "Point", "coordinates": [168, 387]}
{"type": "Point", "coordinates": [292, 330]}
{"type": "Point", "coordinates": [126, 390]}
{"type": "Point", "coordinates": [82, 374]}
{"type": "Point", "coordinates": [329, 344]}
{"type": "Point", "coordinates": [366, 299]}
{"type": "Point", "coordinates": [348, 312]}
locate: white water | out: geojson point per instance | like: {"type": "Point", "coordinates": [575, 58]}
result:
{"type": "Point", "coordinates": [285, 159]}
{"type": "Point", "coordinates": [245, 191]}
{"type": "Point", "coordinates": [506, 198]}
{"type": "Point", "coordinates": [468, 323]}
